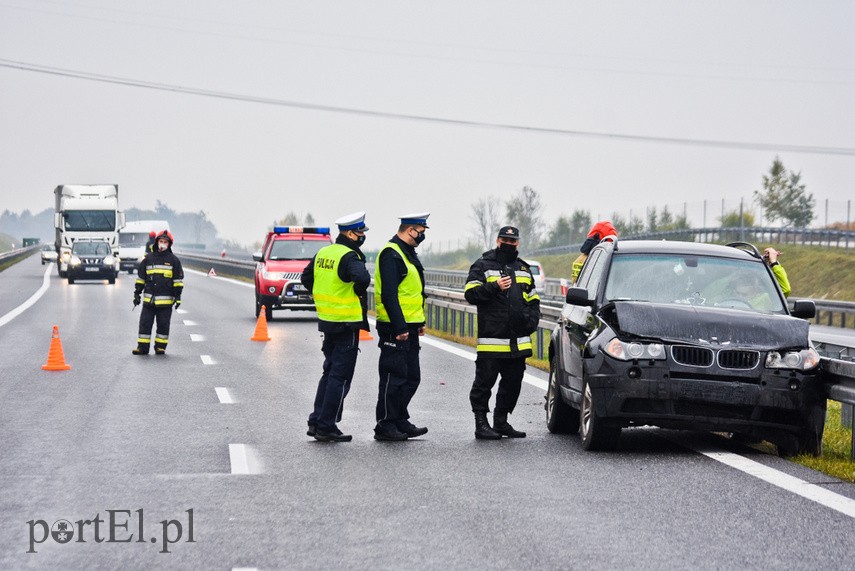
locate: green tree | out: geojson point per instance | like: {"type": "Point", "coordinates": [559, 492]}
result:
{"type": "Point", "coordinates": [784, 196]}
{"type": "Point", "coordinates": [731, 219]}
{"type": "Point", "coordinates": [559, 234]}
{"type": "Point", "coordinates": [580, 224]}
{"type": "Point", "coordinates": [523, 211]}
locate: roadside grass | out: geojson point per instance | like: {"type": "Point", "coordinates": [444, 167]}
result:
{"type": "Point", "coordinates": [836, 444]}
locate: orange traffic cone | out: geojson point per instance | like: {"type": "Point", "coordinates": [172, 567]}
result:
{"type": "Point", "coordinates": [56, 358]}
{"type": "Point", "coordinates": [261, 327]}
{"type": "Point", "coordinates": [365, 335]}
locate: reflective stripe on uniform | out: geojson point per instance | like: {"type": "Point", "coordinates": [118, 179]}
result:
{"type": "Point", "coordinates": [161, 339]}
{"type": "Point", "coordinates": [470, 285]}
{"type": "Point", "coordinates": [165, 271]}
{"type": "Point", "coordinates": [530, 296]}
{"type": "Point", "coordinates": [498, 345]}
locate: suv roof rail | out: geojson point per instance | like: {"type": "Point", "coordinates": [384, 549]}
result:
{"type": "Point", "coordinates": [610, 238]}
{"type": "Point", "coordinates": [747, 247]}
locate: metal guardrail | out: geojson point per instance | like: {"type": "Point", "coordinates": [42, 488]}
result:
{"type": "Point", "coordinates": [18, 254]}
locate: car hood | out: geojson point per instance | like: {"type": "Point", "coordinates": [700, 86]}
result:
{"type": "Point", "coordinates": [711, 326]}
{"type": "Point", "coordinates": [286, 265]}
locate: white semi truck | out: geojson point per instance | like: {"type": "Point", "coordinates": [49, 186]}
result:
{"type": "Point", "coordinates": [85, 211]}
{"type": "Point", "coordinates": [133, 239]}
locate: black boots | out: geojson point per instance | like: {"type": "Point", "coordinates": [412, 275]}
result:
{"type": "Point", "coordinates": [482, 428]}
{"type": "Point", "coordinates": [503, 427]}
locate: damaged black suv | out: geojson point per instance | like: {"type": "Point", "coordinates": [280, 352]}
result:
{"type": "Point", "coordinates": [688, 336]}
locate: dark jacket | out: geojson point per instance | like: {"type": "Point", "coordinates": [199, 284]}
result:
{"type": "Point", "coordinates": [393, 270]}
{"type": "Point", "coordinates": [350, 269]}
{"type": "Point", "coordinates": [154, 283]}
{"type": "Point", "coordinates": [510, 314]}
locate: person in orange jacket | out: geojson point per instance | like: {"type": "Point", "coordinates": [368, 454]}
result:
{"type": "Point", "coordinates": [599, 231]}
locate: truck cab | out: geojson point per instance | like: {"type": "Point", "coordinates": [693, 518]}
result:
{"type": "Point", "coordinates": [280, 263]}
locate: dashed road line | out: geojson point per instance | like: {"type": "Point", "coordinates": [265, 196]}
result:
{"type": "Point", "coordinates": [196, 337]}
{"type": "Point", "coordinates": [224, 395]}
{"type": "Point", "coordinates": [244, 459]}
{"type": "Point", "coordinates": [207, 360]}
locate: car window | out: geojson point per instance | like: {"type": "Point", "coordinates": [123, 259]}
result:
{"type": "Point", "coordinates": [595, 275]}
{"type": "Point", "coordinates": [295, 249]}
{"type": "Point", "coordinates": [585, 275]}
{"type": "Point", "coordinates": [696, 280]}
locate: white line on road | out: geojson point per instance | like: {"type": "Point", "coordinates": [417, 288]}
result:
{"type": "Point", "coordinates": [224, 395]}
{"type": "Point", "coordinates": [30, 302]}
{"type": "Point", "coordinates": [530, 379]}
{"type": "Point", "coordinates": [206, 359]}
{"type": "Point", "coordinates": [243, 459]}
{"type": "Point", "coordinates": [179, 310]}
{"type": "Point", "coordinates": [188, 322]}
{"type": "Point", "coordinates": [792, 484]}
{"type": "Point", "coordinates": [196, 337]}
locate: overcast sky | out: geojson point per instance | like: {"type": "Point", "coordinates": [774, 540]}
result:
{"type": "Point", "coordinates": [660, 79]}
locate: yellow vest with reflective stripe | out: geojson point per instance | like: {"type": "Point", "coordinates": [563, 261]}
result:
{"type": "Point", "coordinates": [335, 300]}
{"type": "Point", "coordinates": [409, 291]}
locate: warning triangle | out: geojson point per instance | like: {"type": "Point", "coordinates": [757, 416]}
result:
{"type": "Point", "coordinates": [212, 273]}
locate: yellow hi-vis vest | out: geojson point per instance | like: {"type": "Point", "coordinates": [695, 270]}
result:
{"type": "Point", "coordinates": [409, 291]}
{"type": "Point", "coordinates": [335, 300]}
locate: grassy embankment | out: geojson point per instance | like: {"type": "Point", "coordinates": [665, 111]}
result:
{"type": "Point", "coordinates": [814, 272]}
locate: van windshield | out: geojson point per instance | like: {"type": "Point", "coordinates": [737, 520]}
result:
{"type": "Point", "coordinates": [132, 239]}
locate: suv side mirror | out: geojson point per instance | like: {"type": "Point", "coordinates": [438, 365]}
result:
{"type": "Point", "coordinates": [578, 296]}
{"type": "Point", "coordinates": [257, 257]}
{"type": "Point", "coordinates": [804, 308]}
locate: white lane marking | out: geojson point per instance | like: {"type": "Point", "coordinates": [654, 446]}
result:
{"type": "Point", "coordinates": [219, 278]}
{"type": "Point", "coordinates": [196, 337]}
{"type": "Point", "coordinates": [792, 484]}
{"type": "Point", "coordinates": [224, 395]}
{"type": "Point", "coordinates": [188, 322]}
{"type": "Point", "coordinates": [243, 459]}
{"type": "Point", "coordinates": [530, 379]}
{"type": "Point", "coordinates": [207, 360]}
{"type": "Point", "coordinates": [30, 302]}
{"type": "Point", "coordinates": [179, 310]}
{"type": "Point", "coordinates": [244, 568]}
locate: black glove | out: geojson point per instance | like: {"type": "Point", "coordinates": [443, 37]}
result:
{"type": "Point", "coordinates": [177, 303]}
{"type": "Point", "coordinates": [136, 299]}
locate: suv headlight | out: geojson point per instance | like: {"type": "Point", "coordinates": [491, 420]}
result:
{"type": "Point", "coordinates": [75, 261]}
{"type": "Point", "coordinates": [803, 360]}
{"type": "Point", "coordinates": [275, 276]}
{"type": "Point", "coordinates": [109, 261]}
{"type": "Point", "coordinates": [635, 350]}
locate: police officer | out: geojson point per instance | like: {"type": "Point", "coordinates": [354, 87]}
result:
{"type": "Point", "coordinates": [399, 285]}
{"type": "Point", "coordinates": [160, 280]}
{"type": "Point", "coordinates": [502, 286]}
{"type": "Point", "coordinates": [338, 281]}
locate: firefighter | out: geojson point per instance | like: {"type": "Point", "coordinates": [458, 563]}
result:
{"type": "Point", "coordinates": [160, 282]}
{"type": "Point", "coordinates": [338, 280]}
{"type": "Point", "coordinates": [501, 285]}
{"type": "Point", "coordinates": [599, 231]}
{"type": "Point", "coordinates": [399, 286]}
{"type": "Point", "coordinates": [149, 245]}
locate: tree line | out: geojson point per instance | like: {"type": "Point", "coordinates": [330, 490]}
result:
{"type": "Point", "coordinates": [782, 196]}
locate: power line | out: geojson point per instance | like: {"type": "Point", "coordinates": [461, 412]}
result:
{"type": "Point", "coordinates": [62, 72]}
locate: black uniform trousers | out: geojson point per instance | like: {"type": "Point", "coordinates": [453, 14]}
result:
{"type": "Point", "coordinates": [340, 351]}
{"type": "Point", "coordinates": [400, 375]}
{"type": "Point", "coordinates": [487, 369]}
{"type": "Point", "coordinates": [148, 315]}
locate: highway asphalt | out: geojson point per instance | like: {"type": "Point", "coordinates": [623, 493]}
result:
{"type": "Point", "coordinates": [217, 426]}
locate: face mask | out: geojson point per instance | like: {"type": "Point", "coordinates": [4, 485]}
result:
{"type": "Point", "coordinates": [360, 240]}
{"type": "Point", "coordinates": [508, 249]}
{"type": "Point", "coordinates": [419, 237]}
{"type": "Point", "coordinates": [162, 246]}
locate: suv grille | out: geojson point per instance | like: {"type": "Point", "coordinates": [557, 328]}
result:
{"type": "Point", "coordinates": [732, 359]}
{"type": "Point", "coordinates": [692, 356]}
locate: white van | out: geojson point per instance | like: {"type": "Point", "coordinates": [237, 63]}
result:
{"type": "Point", "coordinates": [132, 240]}
{"type": "Point", "coordinates": [539, 277]}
